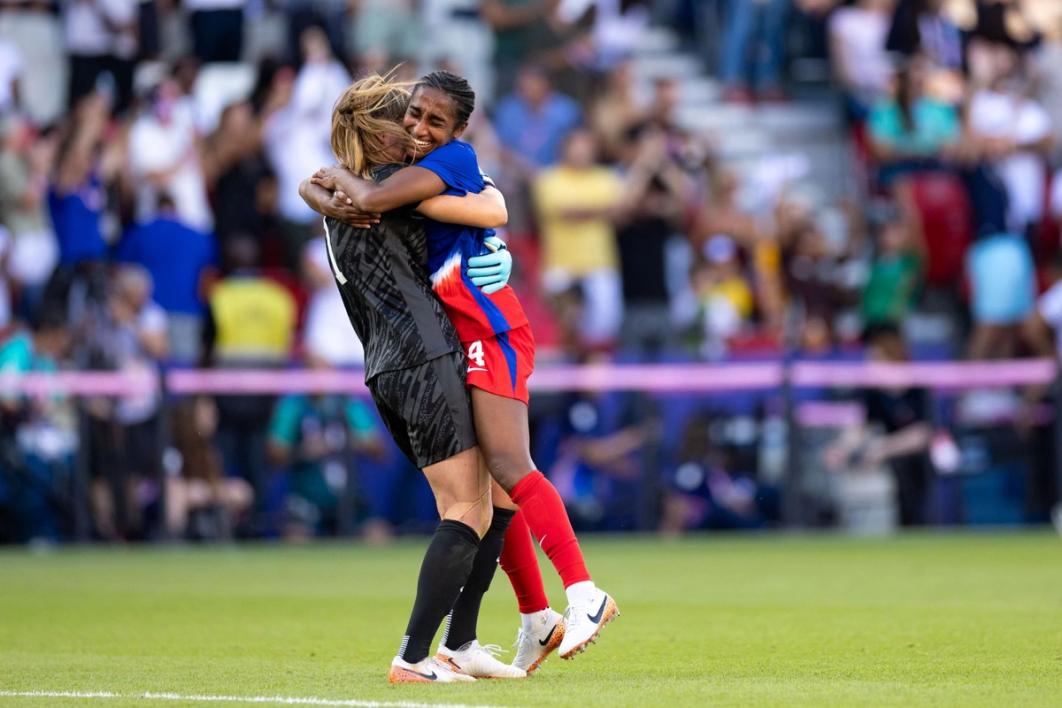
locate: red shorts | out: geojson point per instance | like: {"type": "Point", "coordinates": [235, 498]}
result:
{"type": "Point", "coordinates": [502, 364]}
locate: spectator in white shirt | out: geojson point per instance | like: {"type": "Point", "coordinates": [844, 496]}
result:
{"type": "Point", "coordinates": [1014, 134]}
{"type": "Point", "coordinates": [325, 338]}
{"type": "Point", "coordinates": [37, 33]}
{"type": "Point", "coordinates": [857, 45]}
{"type": "Point", "coordinates": [11, 67]}
{"type": "Point", "coordinates": [164, 157]}
{"type": "Point", "coordinates": [298, 136]}
{"type": "Point", "coordinates": [129, 334]}
{"type": "Point", "coordinates": [1045, 63]}
{"type": "Point", "coordinates": [25, 162]}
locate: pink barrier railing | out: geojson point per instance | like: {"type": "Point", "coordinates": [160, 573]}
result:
{"type": "Point", "coordinates": [936, 375]}
{"type": "Point", "coordinates": [78, 383]}
{"type": "Point", "coordinates": [660, 378]}
{"type": "Point", "coordinates": [253, 381]}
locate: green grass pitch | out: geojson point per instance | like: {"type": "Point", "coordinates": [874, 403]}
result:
{"type": "Point", "coordinates": [961, 620]}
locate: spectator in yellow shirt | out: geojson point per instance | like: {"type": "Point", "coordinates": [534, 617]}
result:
{"type": "Point", "coordinates": [252, 322]}
{"type": "Point", "coordinates": [724, 293]}
{"type": "Point", "coordinates": [575, 203]}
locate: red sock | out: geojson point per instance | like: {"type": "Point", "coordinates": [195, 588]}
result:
{"type": "Point", "coordinates": [544, 512]}
{"type": "Point", "coordinates": [520, 563]}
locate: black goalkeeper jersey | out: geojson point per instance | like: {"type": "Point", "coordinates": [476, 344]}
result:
{"type": "Point", "coordinates": [383, 277]}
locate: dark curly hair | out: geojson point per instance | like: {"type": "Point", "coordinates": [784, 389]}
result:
{"type": "Point", "coordinates": [456, 88]}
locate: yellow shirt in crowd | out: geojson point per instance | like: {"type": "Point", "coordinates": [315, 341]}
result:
{"type": "Point", "coordinates": [735, 291]}
{"type": "Point", "coordinates": [254, 318]}
{"type": "Point", "coordinates": [577, 246]}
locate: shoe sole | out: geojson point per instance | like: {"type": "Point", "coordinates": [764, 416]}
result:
{"type": "Point", "coordinates": [400, 675]}
{"type": "Point", "coordinates": [611, 613]}
{"type": "Point", "coordinates": [554, 642]}
{"type": "Point", "coordinates": [458, 670]}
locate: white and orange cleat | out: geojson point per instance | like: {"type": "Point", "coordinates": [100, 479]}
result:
{"type": "Point", "coordinates": [479, 661]}
{"type": "Point", "coordinates": [537, 639]}
{"type": "Point", "coordinates": [584, 621]}
{"type": "Point", "coordinates": [429, 670]}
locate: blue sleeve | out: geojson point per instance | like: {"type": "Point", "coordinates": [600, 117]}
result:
{"type": "Point", "coordinates": [210, 250]}
{"type": "Point", "coordinates": [125, 251]}
{"type": "Point", "coordinates": [455, 164]}
{"type": "Point", "coordinates": [506, 123]}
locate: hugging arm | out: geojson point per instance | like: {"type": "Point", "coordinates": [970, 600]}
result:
{"type": "Point", "coordinates": [490, 272]}
{"type": "Point", "coordinates": [336, 205]}
{"type": "Point", "coordinates": [415, 185]}
{"type": "Point", "coordinates": [485, 210]}
{"type": "Point", "coordinates": [409, 185]}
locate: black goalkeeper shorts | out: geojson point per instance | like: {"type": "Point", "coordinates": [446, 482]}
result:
{"type": "Point", "coordinates": [427, 409]}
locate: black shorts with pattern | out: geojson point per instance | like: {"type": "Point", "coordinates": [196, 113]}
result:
{"type": "Point", "coordinates": [427, 409]}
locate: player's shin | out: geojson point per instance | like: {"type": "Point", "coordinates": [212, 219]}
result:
{"type": "Point", "coordinates": [461, 627]}
{"type": "Point", "coordinates": [444, 570]}
{"type": "Point", "coordinates": [547, 518]}
{"type": "Point", "coordinates": [520, 563]}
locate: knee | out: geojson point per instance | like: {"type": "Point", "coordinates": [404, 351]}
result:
{"type": "Point", "coordinates": [475, 514]}
{"type": "Point", "coordinates": [507, 468]}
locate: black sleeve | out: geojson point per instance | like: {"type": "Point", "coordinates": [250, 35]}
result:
{"type": "Point", "coordinates": [904, 35]}
{"type": "Point", "coordinates": [208, 337]}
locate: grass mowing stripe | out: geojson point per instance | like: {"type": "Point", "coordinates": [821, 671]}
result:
{"type": "Point", "coordinates": [279, 700]}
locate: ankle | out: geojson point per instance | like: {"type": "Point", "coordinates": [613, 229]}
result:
{"type": "Point", "coordinates": [528, 620]}
{"type": "Point", "coordinates": [581, 592]}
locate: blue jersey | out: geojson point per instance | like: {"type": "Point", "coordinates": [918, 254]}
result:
{"type": "Point", "coordinates": [474, 314]}
{"type": "Point", "coordinates": [455, 164]}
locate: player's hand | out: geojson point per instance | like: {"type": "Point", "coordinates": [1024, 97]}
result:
{"type": "Point", "coordinates": [341, 208]}
{"type": "Point", "coordinates": [326, 177]}
{"type": "Point", "coordinates": [490, 272]}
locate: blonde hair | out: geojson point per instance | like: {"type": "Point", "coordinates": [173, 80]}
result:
{"type": "Point", "coordinates": [367, 121]}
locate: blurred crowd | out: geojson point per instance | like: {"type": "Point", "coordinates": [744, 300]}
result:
{"type": "Point", "coordinates": [150, 152]}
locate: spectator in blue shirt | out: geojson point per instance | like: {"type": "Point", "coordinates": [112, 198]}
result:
{"type": "Point", "coordinates": [179, 259]}
{"type": "Point", "coordinates": [77, 196]}
{"type": "Point", "coordinates": [534, 120]}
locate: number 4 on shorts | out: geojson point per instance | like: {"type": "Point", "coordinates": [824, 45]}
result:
{"type": "Point", "coordinates": [475, 353]}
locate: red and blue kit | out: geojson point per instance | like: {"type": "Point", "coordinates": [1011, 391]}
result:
{"type": "Point", "coordinates": [493, 328]}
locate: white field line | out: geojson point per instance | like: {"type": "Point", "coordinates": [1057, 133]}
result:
{"type": "Point", "coordinates": [274, 700]}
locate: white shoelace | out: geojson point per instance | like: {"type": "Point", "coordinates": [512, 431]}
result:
{"type": "Point", "coordinates": [493, 649]}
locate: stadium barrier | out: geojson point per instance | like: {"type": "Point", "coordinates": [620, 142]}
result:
{"type": "Point", "coordinates": [777, 379]}
{"type": "Point", "coordinates": [649, 378]}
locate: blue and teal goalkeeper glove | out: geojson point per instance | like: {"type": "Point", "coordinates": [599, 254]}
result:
{"type": "Point", "coordinates": [490, 272]}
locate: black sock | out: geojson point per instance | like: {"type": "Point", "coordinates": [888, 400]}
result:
{"type": "Point", "coordinates": [443, 572]}
{"type": "Point", "coordinates": [461, 624]}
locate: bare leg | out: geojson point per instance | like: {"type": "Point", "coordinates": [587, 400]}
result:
{"type": "Point", "coordinates": [462, 495]}
{"type": "Point", "coordinates": [462, 490]}
{"type": "Point", "coordinates": [103, 509]}
{"type": "Point", "coordinates": [502, 429]}
{"type": "Point", "coordinates": [504, 437]}
{"type": "Point", "coordinates": [177, 494]}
